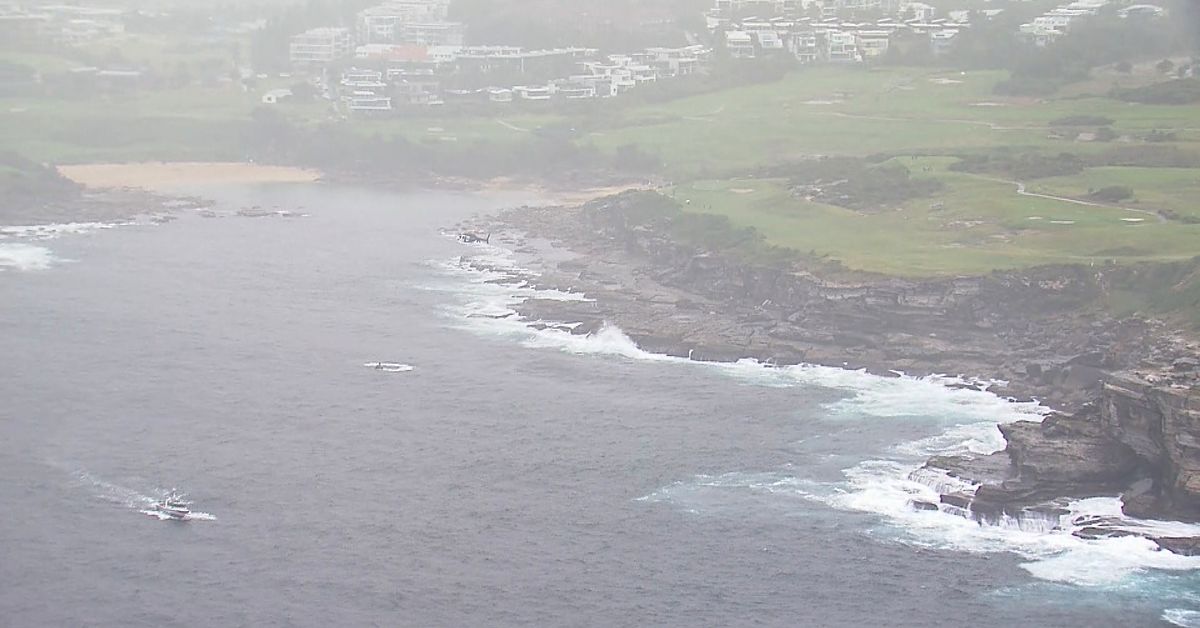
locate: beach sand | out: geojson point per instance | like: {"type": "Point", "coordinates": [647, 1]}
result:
{"type": "Point", "coordinates": [161, 176]}
{"type": "Point", "coordinates": [552, 195]}
{"type": "Point", "coordinates": [168, 177]}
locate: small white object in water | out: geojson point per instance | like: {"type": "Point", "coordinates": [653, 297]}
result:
{"type": "Point", "coordinates": [390, 367]}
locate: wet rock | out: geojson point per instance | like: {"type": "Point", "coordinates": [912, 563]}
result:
{"type": "Point", "coordinates": [1185, 546]}
{"type": "Point", "coordinates": [1092, 533]}
{"type": "Point", "coordinates": [1186, 364]}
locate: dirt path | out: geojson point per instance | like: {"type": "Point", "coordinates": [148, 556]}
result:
{"type": "Point", "coordinates": [511, 126]}
{"type": "Point", "coordinates": [1021, 190]}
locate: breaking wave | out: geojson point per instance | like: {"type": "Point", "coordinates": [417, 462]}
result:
{"type": "Point", "coordinates": [49, 232]}
{"type": "Point", "coordinates": [16, 252]}
{"type": "Point", "coordinates": [492, 285]}
{"type": "Point", "coordinates": [1182, 617]}
{"type": "Point", "coordinates": [25, 257]}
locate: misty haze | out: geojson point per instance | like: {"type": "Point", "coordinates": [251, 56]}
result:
{"type": "Point", "coordinates": [665, 313]}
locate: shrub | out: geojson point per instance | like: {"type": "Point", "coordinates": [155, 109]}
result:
{"type": "Point", "coordinates": [856, 184]}
{"type": "Point", "coordinates": [1022, 166]}
{"type": "Point", "coordinates": [1175, 92]}
{"type": "Point", "coordinates": [1112, 193]}
{"type": "Point", "coordinates": [1161, 136]}
{"type": "Point", "coordinates": [1082, 120]}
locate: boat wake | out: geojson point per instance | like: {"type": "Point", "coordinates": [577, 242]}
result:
{"type": "Point", "coordinates": [144, 503]}
{"type": "Point", "coordinates": [191, 516]}
{"type": "Point", "coordinates": [390, 367]}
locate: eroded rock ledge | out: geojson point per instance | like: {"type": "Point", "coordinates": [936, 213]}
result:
{"type": "Point", "coordinates": [1127, 388]}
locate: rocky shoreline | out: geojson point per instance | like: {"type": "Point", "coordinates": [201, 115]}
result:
{"type": "Point", "coordinates": [98, 205]}
{"type": "Point", "coordinates": [1125, 392]}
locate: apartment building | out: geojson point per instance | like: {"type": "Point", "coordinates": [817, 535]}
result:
{"type": "Point", "coordinates": [320, 46]}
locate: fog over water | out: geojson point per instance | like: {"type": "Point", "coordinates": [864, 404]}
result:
{"type": "Point", "coordinates": [511, 477]}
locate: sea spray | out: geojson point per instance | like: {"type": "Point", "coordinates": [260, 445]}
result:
{"type": "Point", "coordinates": [968, 412]}
{"type": "Point", "coordinates": [25, 257]}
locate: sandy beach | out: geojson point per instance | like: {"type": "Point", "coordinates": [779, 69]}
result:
{"type": "Point", "coordinates": [553, 195]}
{"type": "Point", "coordinates": [160, 176]}
{"type": "Point", "coordinates": [164, 176]}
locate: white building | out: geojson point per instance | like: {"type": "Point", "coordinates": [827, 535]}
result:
{"type": "Point", "coordinates": [739, 44]}
{"type": "Point", "coordinates": [841, 46]}
{"type": "Point", "coordinates": [942, 40]}
{"type": "Point", "coordinates": [677, 61]}
{"type": "Point", "coordinates": [534, 92]}
{"type": "Point", "coordinates": [368, 101]}
{"type": "Point", "coordinates": [918, 11]}
{"type": "Point", "coordinates": [873, 43]}
{"type": "Point", "coordinates": [381, 24]}
{"type": "Point", "coordinates": [804, 45]}
{"type": "Point", "coordinates": [363, 79]}
{"type": "Point", "coordinates": [320, 46]}
{"type": "Point", "coordinates": [769, 40]}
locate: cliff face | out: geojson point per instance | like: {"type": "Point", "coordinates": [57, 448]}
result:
{"type": "Point", "coordinates": [1140, 440]}
{"type": "Point", "coordinates": [1160, 422]}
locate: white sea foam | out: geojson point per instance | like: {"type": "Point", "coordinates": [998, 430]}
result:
{"type": "Point", "coordinates": [969, 412]}
{"type": "Point", "coordinates": [49, 232]}
{"type": "Point", "coordinates": [495, 285]}
{"type": "Point", "coordinates": [17, 254]}
{"type": "Point", "coordinates": [898, 397]}
{"type": "Point", "coordinates": [1182, 617]}
{"type": "Point", "coordinates": [191, 516]}
{"type": "Point", "coordinates": [25, 257]}
{"type": "Point", "coordinates": [1052, 551]}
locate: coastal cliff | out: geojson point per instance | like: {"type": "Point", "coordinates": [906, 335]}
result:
{"type": "Point", "coordinates": [1126, 388]}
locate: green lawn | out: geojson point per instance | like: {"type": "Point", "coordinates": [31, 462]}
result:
{"type": "Point", "coordinates": [504, 127]}
{"type": "Point", "coordinates": [854, 111]}
{"type": "Point", "coordinates": [974, 225]}
{"type": "Point", "coordinates": [1175, 189]}
{"type": "Point", "coordinates": [190, 123]}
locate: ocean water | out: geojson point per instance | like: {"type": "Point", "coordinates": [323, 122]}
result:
{"type": "Point", "coordinates": [368, 440]}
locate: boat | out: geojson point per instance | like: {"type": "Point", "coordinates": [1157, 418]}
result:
{"type": "Point", "coordinates": [173, 506]}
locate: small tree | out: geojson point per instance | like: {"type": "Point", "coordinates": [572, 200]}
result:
{"type": "Point", "coordinates": [303, 91]}
{"type": "Point", "coordinates": [1112, 193]}
{"type": "Point", "coordinates": [1124, 67]}
{"type": "Point", "coordinates": [1165, 66]}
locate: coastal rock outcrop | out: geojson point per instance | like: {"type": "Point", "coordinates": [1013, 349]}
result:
{"type": "Point", "coordinates": [1160, 422]}
{"type": "Point", "coordinates": [1126, 388]}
